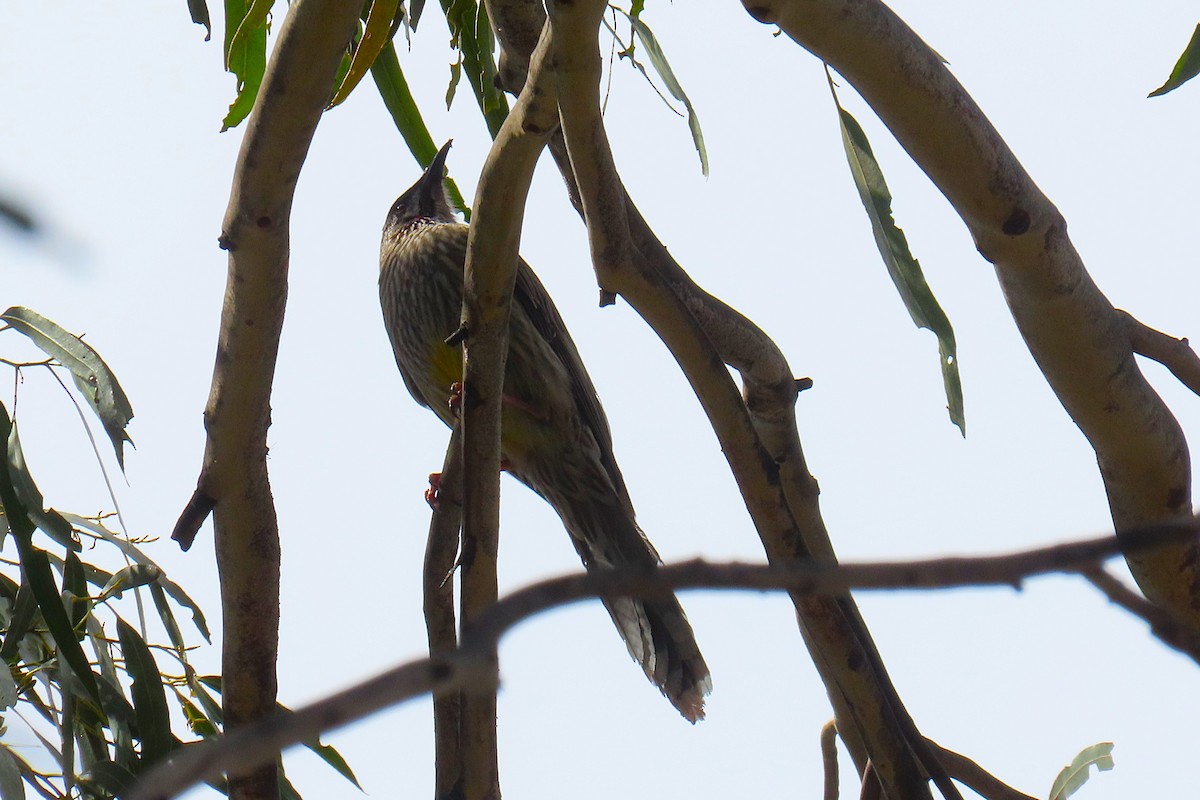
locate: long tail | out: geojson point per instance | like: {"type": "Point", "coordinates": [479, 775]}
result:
{"type": "Point", "coordinates": [656, 632]}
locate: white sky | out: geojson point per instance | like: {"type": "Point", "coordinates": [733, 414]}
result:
{"type": "Point", "coordinates": [109, 131]}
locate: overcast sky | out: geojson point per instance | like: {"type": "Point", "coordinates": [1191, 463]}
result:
{"type": "Point", "coordinates": [110, 134]}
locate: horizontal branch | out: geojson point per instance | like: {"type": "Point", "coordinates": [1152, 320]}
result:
{"type": "Point", "coordinates": [472, 667]}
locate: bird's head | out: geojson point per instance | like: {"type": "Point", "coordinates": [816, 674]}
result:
{"type": "Point", "coordinates": [425, 199]}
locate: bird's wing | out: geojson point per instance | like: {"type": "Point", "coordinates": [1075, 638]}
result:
{"type": "Point", "coordinates": [536, 302]}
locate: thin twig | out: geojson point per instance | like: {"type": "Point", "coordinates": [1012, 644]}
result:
{"type": "Point", "coordinates": [982, 782]}
{"type": "Point", "coordinates": [1176, 355]}
{"type": "Point", "coordinates": [472, 667]}
{"type": "Point", "coordinates": [829, 759]}
{"type": "Point", "coordinates": [1164, 624]}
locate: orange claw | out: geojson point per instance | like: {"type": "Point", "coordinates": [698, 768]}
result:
{"type": "Point", "coordinates": [435, 486]}
{"type": "Point", "coordinates": [456, 395]}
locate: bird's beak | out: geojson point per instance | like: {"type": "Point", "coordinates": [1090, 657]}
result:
{"type": "Point", "coordinates": [431, 182]}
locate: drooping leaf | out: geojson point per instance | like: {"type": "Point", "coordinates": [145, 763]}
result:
{"type": "Point", "coordinates": [199, 11]}
{"type": "Point", "coordinates": [8, 688]}
{"type": "Point", "coordinates": [11, 785]}
{"type": "Point", "coordinates": [1186, 68]}
{"type": "Point", "coordinates": [120, 713]}
{"type": "Point", "coordinates": [107, 778]}
{"type": "Point", "coordinates": [326, 753]}
{"type": "Point", "coordinates": [1076, 774]}
{"type": "Point", "coordinates": [134, 554]}
{"type": "Point", "coordinates": [393, 88]}
{"type": "Point", "coordinates": [200, 686]}
{"type": "Point", "coordinates": [41, 580]}
{"type": "Point", "coordinates": [35, 568]}
{"type": "Point", "coordinates": [199, 724]}
{"type": "Point", "coordinates": [93, 377]}
{"type": "Point", "coordinates": [455, 77]}
{"type": "Point", "coordinates": [149, 697]}
{"type": "Point", "coordinates": [24, 610]}
{"type": "Point", "coordinates": [471, 33]}
{"type": "Point", "coordinates": [75, 594]}
{"type": "Point", "coordinates": [904, 270]}
{"type": "Point", "coordinates": [168, 619]}
{"type": "Point", "coordinates": [245, 54]}
{"type": "Point", "coordinates": [51, 522]}
{"type": "Point", "coordinates": [658, 60]}
{"type": "Point", "coordinates": [376, 35]}
{"type": "Point", "coordinates": [130, 577]}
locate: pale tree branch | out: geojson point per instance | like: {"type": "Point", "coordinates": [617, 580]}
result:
{"type": "Point", "coordinates": [829, 761]}
{"type": "Point", "coordinates": [472, 667]}
{"type": "Point", "coordinates": [1081, 343]}
{"type": "Point", "coordinates": [491, 269]}
{"type": "Point", "coordinates": [233, 478]}
{"type": "Point", "coordinates": [1176, 355]}
{"type": "Point", "coordinates": [982, 782]}
{"type": "Point", "coordinates": [779, 493]}
{"type": "Point", "coordinates": [441, 554]}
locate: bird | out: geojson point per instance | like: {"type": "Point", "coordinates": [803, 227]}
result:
{"type": "Point", "coordinates": [555, 437]}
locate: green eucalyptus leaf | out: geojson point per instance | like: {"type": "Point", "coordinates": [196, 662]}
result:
{"type": "Point", "coordinates": [12, 787]}
{"type": "Point", "coordinates": [1186, 68]}
{"type": "Point", "coordinates": [51, 522]}
{"type": "Point", "coordinates": [1076, 774]}
{"type": "Point", "coordinates": [376, 35]}
{"type": "Point", "coordinates": [107, 778]}
{"type": "Point", "coordinates": [393, 89]}
{"type": "Point", "coordinates": [471, 33]}
{"type": "Point", "coordinates": [245, 54]}
{"type": "Point", "coordinates": [149, 697]}
{"type": "Point", "coordinates": [199, 11]}
{"type": "Point", "coordinates": [8, 688]}
{"type": "Point", "coordinates": [658, 60]}
{"type": "Point", "coordinates": [130, 577]}
{"type": "Point", "coordinates": [37, 570]}
{"type": "Point", "coordinates": [24, 611]}
{"type": "Point", "coordinates": [904, 270]}
{"type": "Point", "coordinates": [173, 589]}
{"type": "Point", "coordinates": [168, 619]}
{"type": "Point", "coordinates": [93, 377]}
{"type": "Point", "coordinates": [75, 594]}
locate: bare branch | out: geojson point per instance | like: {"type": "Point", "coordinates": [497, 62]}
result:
{"type": "Point", "coordinates": [441, 553]}
{"type": "Point", "coordinates": [1167, 626]}
{"type": "Point", "coordinates": [473, 667]}
{"type": "Point", "coordinates": [981, 781]}
{"type": "Point", "coordinates": [233, 477]}
{"type": "Point", "coordinates": [491, 267]}
{"type": "Point", "coordinates": [1174, 354]}
{"type": "Point", "coordinates": [1078, 339]}
{"type": "Point", "coordinates": [829, 759]}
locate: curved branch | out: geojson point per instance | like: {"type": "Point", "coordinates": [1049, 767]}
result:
{"type": "Point", "coordinates": [1080, 342]}
{"type": "Point", "coordinates": [233, 477]}
{"type": "Point", "coordinates": [779, 493]}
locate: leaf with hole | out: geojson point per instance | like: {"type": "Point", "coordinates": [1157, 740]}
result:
{"type": "Point", "coordinates": [1076, 774]}
{"type": "Point", "coordinates": [904, 270]}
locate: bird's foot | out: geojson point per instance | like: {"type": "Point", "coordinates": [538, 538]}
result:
{"type": "Point", "coordinates": [435, 486]}
{"type": "Point", "coordinates": [456, 398]}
